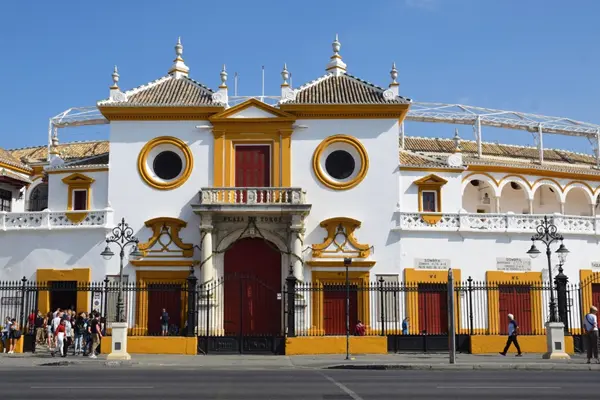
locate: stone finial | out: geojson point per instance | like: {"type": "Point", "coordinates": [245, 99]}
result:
{"type": "Point", "coordinates": [179, 69]}
{"type": "Point", "coordinates": [456, 140]}
{"type": "Point", "coordinates": [115, 77]}
{"type": "Point", "coordinates": [223, 75]}
{"type": "Point", "coordinates": [336, 66]}
{"type": "Point", "coordinates": [394, 75]}
{"type": "Point", "coordinates": [285, 75]}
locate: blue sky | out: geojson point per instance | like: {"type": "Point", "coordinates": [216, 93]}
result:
{"type": "Point", "coordinates": [537, 56]}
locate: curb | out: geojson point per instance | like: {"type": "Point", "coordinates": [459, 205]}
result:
{"type": "Point", "coordinates": [458, 367]}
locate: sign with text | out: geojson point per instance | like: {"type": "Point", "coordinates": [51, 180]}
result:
{"type": "Point", "coordinates": [432, 263]}
{"type": "Point", "coordinates": [596, 265]}
{"type": "Point", "coordinates": [513, 264]}
{"type": "Point", "coordinates": [11, 301]}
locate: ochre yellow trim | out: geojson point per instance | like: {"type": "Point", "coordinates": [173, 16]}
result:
{"type": "Point", "coordinates": [143, 279]}
{"type": "Point", "coordinates": [75, 182]}
{"type": "Point", "coordinates": [16, 169]}
{"type": "Point", "coordinates": [83, 276]}
{"type": "Point", "coordinates": [533, 171]}
{"type": "Point", "coordinates": [162, 263]}
{"type": "Point", "coordinates": [578, 182]}
{"type": "Point", "coordinates": [341, 111]}
{"type": "Point", "coordinates": [412, 278]}
{"type": "Point", "coordinates": [466, 178]}
{"type": "Point", "coordinates": [172, 226]}
{"type": "Point", "coordinates": [495, 278]}
{"type": "Point", "coordinates": [156, 345]}
{"type": "Point", "coordinates": [187, 168]}
{"type": "Point", "coordinates": [506, 178]}
{"type": "Point", "coordinates": [426, 169]}
{"type": "Point", "coordinates": [295, 346]}
{"type": "Point", "coordinates": [280, 116]}
{"type": "Point", "coordinates": [432, 183]}
{"type": "Point", "coordinates": [97, 169]}
{"type": "Point", "coordinates": [321, 278]}
{"type": "Point", "coordinates": [157, 113]}
{"type": "Point", "coordinates": [489, 344]}
{"type": "Point", "coordinates": [340, 263]}
{"type": "Point", "coordinates": [322, 175]}
{"type": "Point", "coordinates": [219, 158]}
{"type": "Point", "coordinates": [345, 227]}
{"type": "Point", "coordinates": [431, 219]}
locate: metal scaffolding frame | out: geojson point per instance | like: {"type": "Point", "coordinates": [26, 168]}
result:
{"type": "Point", "coordinates": [477, 117]}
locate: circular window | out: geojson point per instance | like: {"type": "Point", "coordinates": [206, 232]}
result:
{"type": "Point", "coordinates": [165, 163]}
{"type": "Point", "coordinates": [340, 162]}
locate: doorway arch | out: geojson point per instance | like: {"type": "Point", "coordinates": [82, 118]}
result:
{"type": "Point", "coordinates": [252, 285]}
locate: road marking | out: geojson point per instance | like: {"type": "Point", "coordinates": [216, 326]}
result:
{"type": "Point", "coordinates": [344, 388]}
{"type": "Point", "coordinates": [501, 387]}
{"type": "Point", "coordinates": [92, 387]}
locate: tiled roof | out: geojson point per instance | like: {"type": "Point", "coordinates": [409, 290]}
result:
{"type": "Point", "coordinates": [12, 175]}
{"type": "Point", "coordinates": [68, 151]}
{"type": "Point", "coordinates": [343, 89]}
{"type": "Point", "coordinates": [95, 160]}
{"type": "Point", "coordinates": [417, 149]}
{"type": "Point", "coordinates": [9, 159]}
{"type": "Point", "coordinates": [166, 91]}
{"type": "Point", "coordinates": [412, 159]}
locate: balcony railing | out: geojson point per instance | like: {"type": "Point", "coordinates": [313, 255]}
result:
{"type": "Point", "coordinates": [252, 196]}
{"type": "Point", "coordinates": [511, 223]}
{"type": "Point", "coordinates": [44, 220]}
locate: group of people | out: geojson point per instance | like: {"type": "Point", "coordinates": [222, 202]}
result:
{"type": "Point", "coordinates": [10, 335]}
{"type": "Point", "coordinates": [59, 330]}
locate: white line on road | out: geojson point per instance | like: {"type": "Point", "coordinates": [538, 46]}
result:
{"type": "Point", "coordinates": [501, 387]}
{"type": "Point", "coordinates": [344, 388]}
{"type": "Point", "coordinates": [92, 387]}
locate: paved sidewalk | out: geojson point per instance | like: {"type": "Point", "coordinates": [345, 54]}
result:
{"type": "Point", "coordinates": [262, 362]}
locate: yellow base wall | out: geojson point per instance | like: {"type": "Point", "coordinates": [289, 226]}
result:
{"type": "Point", "coordinates": [18, 346]}
{"type": "Point", "coordinates": [335, 345]}
{"type": "Point", "coordinates": [529, 344]}
{"type": "Point", "coordinates": [155, 345]}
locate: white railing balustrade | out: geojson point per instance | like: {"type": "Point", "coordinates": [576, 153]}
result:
{"type": "Point", "coordinates": [44, 220]}
{"type": "Point", "coordinates": [509, 222]}
{"type": "Point", "coordinates": [252, 195]}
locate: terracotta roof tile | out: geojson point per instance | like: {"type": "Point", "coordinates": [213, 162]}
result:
{"type": "Point", "coordinates": [343, 89]}
{"type": "Point", "coordinates": [166, 91]}
{"type": "Point", "coordinates": [68, 151]}
{"type": "Point", "coordinates": [10, 160]}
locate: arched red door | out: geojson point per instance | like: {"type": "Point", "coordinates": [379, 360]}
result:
{"type": "Point", "coordinates": [252, 283]}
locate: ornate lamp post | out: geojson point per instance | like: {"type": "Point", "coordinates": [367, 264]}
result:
{"type": "Point", "coordinates": [547, 233]}
{"type": "Point", "coordinates": [122, 235]}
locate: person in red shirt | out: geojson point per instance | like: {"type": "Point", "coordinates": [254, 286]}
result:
{"type": "Point", "coordinates": [31, 321]}
{"type": "Point", "coordinates": [60, 333]}
{"type": "Point", "coordinates": [360, 329]}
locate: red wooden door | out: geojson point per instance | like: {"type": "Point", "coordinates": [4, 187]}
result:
{"type": "Point", "coordinates": [433, 308]}
{"type": "Point", "coordinates": [252, 169]}
{"type": "Point", "coordinates": [334, 309]}
{"type": "Point", "coordinates": [167, 296]}
{"type": "Point", "coordinates": [515, 300]}
{"type": "Point", "coordinates": [252, 283]}
{"type": "Point", "coordinates": [595, 295]}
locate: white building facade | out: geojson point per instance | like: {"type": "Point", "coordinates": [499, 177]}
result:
{"type": "Point", "coordinates": [288, 188]}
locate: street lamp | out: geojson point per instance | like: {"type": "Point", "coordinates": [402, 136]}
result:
{"type": "Point", "coordinates": [122, 235]}
{"type": "Point", "coordinates": [547, 233]}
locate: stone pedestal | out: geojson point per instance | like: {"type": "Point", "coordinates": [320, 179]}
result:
{"type": "Point", "coordinates": [119, 342]}
{"type": "Point", "coordinates": [555, 340]}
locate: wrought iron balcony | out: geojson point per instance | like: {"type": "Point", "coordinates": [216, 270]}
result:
{"type": "Point", "coordinates": [252, 198]}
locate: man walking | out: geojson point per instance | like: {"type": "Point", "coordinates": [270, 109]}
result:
{"type": "Point", "coordinates": [590, 324]}
{"type": "Point", "coordinates": [513, 329]}
{"type": "Point", "coordinates": [96, 331]}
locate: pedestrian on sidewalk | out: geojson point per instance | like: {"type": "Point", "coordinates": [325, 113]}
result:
{"type": "Point", "coordinates": [5, 331]}
{"type": "Point", "coordinates": [164, 321]}
{"type": "Point", "coordinates": [360, 329]}
{"type": "Point", "coordinates": [513, 330]}
{"type": "Point", "coordinates": [590, 324]}
{"type": "Point", "coordinates": [80, 329]}
{"type": "Point", "coordinates": [405, 326]}
{"type": "Point", "coordinates": [96, 331]}
{"type": "Point", "coordinates": [60, 333]}
{"type": "Point", "coordinates": [14, 334]}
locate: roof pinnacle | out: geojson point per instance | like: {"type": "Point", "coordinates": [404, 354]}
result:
{"type": "Point", "coordinates": [179, 69]}
{"type": "Point", "coordinates": [336, 66]}
{"type": "Point", "coordinates": [394, 75]}
{"type": "Point", "coordinates": [285, 75]}
{"type": "Point", "coordinates": [223, 75]}
{"type": "Point", "coordinates": [456, 140]}
{"type": "Point", "coordinates": [115, 77]}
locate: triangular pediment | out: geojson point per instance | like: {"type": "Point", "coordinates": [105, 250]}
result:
{"type": "Point", "coordinates": [252, 110]}
{"type": "Point", "coordinates": [77, 179]}
{"type": "Point", "coordinates": [431, 179]}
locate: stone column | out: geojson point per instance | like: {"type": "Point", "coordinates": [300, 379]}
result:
{"type": "Point", "coordinates": [296, 258]}
{"type": "Point", "coordinates": [497, 204]}
{"type": "Point", "coordinates": [562, 208]}
{"type": "Point", "coordinates": [530, 206]}
{"type": "Point", "coordinates": [207, 269]}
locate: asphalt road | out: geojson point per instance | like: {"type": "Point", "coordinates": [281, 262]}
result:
{"type": "Point", "coordinates": [135, 383]}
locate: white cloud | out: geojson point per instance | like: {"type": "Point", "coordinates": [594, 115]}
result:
{"type": "Point", "coordinates": [429, 5]}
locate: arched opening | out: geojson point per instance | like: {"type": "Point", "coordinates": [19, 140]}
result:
{"type": "Point", "coordinates": [252, 284]}
{"type": "Point", "coordinates": [577, 202]}
{"type": "Point", "coordinates": [38, 199]}
{"type": "Point", "coordinates": [478, 197]}
{"type": "Point", "coordinates": [513, 198]}
{"type": "Point", "coordinates": [546, 200]}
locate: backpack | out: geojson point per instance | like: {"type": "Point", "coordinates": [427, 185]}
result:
{"type": "Point", "coordinates": [80, 327]}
